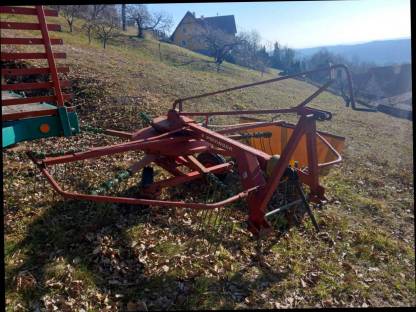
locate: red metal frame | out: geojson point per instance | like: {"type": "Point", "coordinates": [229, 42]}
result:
{"type": "Point", "coordinates": [172, 141]}
{"type": "Point", "coordinates": [33, 99]}
{"type": "Point", "coordinates": [25, 11]}
{"type": "Point", "coordinates": [29, 56]}
{"type": "Point", "coordinates": [28, 41]}
{"type": "Point", "coordinates": [28, 26]}
{"type": "Point", "coordinates": [34, 85]}
{"type": "Point", "coordinates": [55, 84]}
{"type": "Point", "coordinates": [7, 72]}
{"type": "Point", "coordinates": [27, 114]}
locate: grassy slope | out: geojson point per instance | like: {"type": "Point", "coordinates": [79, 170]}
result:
{"type": "Point", "coordinates": [365, 255]}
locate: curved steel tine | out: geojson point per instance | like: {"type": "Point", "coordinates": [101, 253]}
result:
{"type": "Point", "coordinates": [65, 177]}
{"type": "Point", "coordinates": [34, 184]}
{"type": "Point", "coordinates": [44, 188]}
{"type": "Point", "coordinates": [208, 218]}
{"type": "Point", "coordinates": [270, 145]}
{"type": "Point", "coordinates": [202, 220]}
{"type": "Point", "coordinates": [218, 219]}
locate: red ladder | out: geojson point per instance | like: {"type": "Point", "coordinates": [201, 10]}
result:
{"type": "Point", "coordinates": [55, 84]}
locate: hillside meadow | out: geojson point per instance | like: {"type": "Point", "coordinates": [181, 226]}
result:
{"type": "Point", "coordinates": [78, 256]}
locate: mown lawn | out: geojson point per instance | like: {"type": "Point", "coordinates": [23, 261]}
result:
{"type": "Point", "coordinates": [80, 256]}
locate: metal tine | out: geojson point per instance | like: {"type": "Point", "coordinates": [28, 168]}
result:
{"type": "Point", "coordinates": [260, 140]}
{"type": "Point", "coordinates": [198, 218]}
{"type": "Point", "coordinates": [208, 218]}
{"type": "Point", "coordinates": [217, 214]}
{"type": "Point", "coordinates": [224, 228]}
{"type": "Point", "coordinates": [44, 188]}
{"type": "Point", "coordinates": [229, 223]}
{"type": "Point", "coordinates": [218, 230]}
{"type": "Point", "coordinates": [219, 218]}
{"type": "Point", "coordinates": [63, 183]}
{"type": "Point", "coordinates": [213, 246]}
{"type": "Point", "coordinates": [53, 191]}
{"type": "Point", "coordinates": [194, 217]}
{"type": "Point", "coordinates": [210, 233]}
{"type": "Point", "coordinates": [201, 228]}
{"type": "Point", "coordinates": [225, 218]}
{"type": "Point", "coordinates": [216, 217]}
{"type": "Point", "coordinates": [202, 220]}
{"type": "Point", "coordinates": [34, 184]}
{"type": "Point", "coordinates": [263, 145]}
{"type": "Point", "coordinates": [270, 145]}
{"type": "Point", "coordinates": [274, 220]}
{"type": "Point", "coordinates": [64, 178]}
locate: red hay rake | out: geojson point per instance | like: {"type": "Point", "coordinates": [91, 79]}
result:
{"type": "Point", "coordinates": [189, 151]}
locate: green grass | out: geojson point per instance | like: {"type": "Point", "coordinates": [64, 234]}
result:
{"type": "Point", "coordinates": [365, 247]}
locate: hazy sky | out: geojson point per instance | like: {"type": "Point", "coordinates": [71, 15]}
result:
{"type": "Point", "coordinates": [301, 24]}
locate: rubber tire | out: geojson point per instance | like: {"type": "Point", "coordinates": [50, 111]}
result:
{"type": "Point", "coordinates": [209, 159]}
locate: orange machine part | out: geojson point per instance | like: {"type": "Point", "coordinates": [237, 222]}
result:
{"type": "Point", "coordinates": [281, 135]}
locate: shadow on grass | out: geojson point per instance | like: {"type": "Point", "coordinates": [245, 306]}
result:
{"type": "Point", "coordinates": [76, 231]}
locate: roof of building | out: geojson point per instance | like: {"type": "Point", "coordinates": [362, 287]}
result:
{"type": "Point", "coordinates": [225, 23]}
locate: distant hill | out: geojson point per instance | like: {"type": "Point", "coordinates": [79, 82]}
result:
{"type": "Point", "coordinates": [385, 52]}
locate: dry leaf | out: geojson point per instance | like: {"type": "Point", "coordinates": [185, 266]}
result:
{"type": "Point", "coordinates": [303, 283]}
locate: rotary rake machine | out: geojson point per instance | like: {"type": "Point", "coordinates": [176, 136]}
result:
{"type": "Point", "coordinates": [272, 165]}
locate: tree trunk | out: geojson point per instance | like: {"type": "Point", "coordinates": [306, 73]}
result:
{"type": "Point", "coordinates": [70, 27]}
{"type": "Point", "coordinates": [139, 32]}
{"type": "Point", "coordinates": [123, 16]}
{"type": "Point", "coordinates": [104, 42]}
{"type": "Point", "coordinates": [89, 36]}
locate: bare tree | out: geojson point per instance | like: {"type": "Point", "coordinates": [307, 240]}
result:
{"type": "Point", "coordinates": [70, 13]}
{"type": "Point", "coordinates": [250, 53]}
{"type": "Point", "coordinates": [144, 20]}
{"type": "Point", "coordinates": [123, 16]}
{"type": "Point", "coordinates": [107, 25]}
{"type": "Point", "coordinates": [92, 16]}
{"type": "Point", "coordinates": [218, 44]}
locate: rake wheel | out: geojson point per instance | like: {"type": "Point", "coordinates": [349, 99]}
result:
{"type": "Point", "coordinates": [209, 159]}
{"type": "Point", "coordinates": [287, 208]}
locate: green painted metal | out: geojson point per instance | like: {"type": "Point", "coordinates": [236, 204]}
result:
{"type": "Point", "coordinates": [66, 125]}
{"type": "Point", "coordinates": [29, 128]}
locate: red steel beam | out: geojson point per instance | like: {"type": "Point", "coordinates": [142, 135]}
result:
{"type": "Point", "coordinates": [120, 134]}
{"type": "Point", "coordinates": [146, 160]}
{"type": "Point", "coordinates": [28, 26]}
{"type": "Point", "coordinates": [331, 68]}
{"type": "Point", "coordinates": [304, 125]}
{"type": "Point", "coordinates": [141, 201]}
{"type": "Point", "coordinates": [241, 112]}
{"type": "Point", "coordinates": [6, 72]}
{"type": "Point", "coordinates": [28, 41]}
{"type": "Point", "coordinates": [196, 164]}
{"type": "Point", "coordinates": [187, 177]}
{"type": "Point", "coordinates": [25, 11]}
{"type": "Point", "coordinates": [50, 55]}
{"type": "Point", "coordinates": [33, 85]}
{"type": "Point", "coordinates": [333, 150]}
{"type": "Point", "coordinates": [34, 99]}
{"type": "Point", "coordinates": [109, 150]}
{"type": "Point", "coordinates": [29, 56]}
{"type": "Point", "coordinates": [223, 142]}
{"type": "Point", "coordinates": [311, 150]}
{"type": "Point", "coordinates": [21, 115]}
